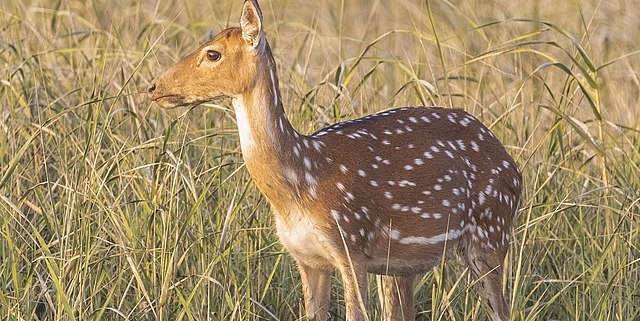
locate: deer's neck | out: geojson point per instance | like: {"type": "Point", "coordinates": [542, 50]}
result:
{"type": "Point", "coordinates": [267, 138]}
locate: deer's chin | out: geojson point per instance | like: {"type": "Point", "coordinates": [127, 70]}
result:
{"type": "Point", "coordinates": [173, 101]}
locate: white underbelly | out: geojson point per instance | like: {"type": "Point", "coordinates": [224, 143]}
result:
{"type": "Point", "coordinates": [392, 266]}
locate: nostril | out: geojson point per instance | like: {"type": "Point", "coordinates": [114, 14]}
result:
{"type": "Point", "coordinates": [152, 88]}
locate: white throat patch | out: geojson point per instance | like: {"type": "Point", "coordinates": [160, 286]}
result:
{"type": "Point", "coordinates": [247, 141]}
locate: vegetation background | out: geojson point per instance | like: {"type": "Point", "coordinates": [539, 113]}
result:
{"type": "Point", "coordinates": [112, 209]}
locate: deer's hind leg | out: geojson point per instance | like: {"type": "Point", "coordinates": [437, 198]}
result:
{"type": "Point", "coordinates": [396, 297]}
{"type": "Point", "coordinates": [486, 266]}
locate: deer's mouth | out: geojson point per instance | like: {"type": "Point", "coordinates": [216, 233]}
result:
{"type": "Point", "coordinates": [168, 100]}
{"type": "Point", "coordinates": [173, 101]}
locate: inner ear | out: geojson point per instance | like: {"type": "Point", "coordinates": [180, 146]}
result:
{"type": "Point", "coordinates": [251, 22]}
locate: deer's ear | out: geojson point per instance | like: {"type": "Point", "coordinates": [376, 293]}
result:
{"type": "Point", "coordinates": [251, 23]}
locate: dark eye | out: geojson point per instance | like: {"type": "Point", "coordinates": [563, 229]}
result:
{"type": "Point", "coordinates": [213, 55]}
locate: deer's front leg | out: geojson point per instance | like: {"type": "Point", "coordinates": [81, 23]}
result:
{"type": "Point", "coordinates": [354, 282]}
{"type": "Point", "coordinates": [316, 288]}
{"type": "Point", "coordinates": [396, 297]}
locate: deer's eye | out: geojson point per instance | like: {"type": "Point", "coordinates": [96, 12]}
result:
{"type": "Point", "coordinates": [213, 55]}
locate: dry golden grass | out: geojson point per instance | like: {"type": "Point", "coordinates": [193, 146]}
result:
{"type": "Point", "coordinates": [111, 209]}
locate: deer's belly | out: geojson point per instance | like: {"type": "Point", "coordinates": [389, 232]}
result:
{"type": "Point", "coordinates": [402, 259]}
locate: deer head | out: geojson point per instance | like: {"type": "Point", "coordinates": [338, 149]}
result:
{"type": "Point", "coordinates": [225, 66]}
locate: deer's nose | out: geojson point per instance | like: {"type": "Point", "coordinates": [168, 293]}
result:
{"type": "Point", "coordinates": [152, 88]}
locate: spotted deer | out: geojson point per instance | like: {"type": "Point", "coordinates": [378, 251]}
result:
{"type": "Point", "coordinates": [390, 193]}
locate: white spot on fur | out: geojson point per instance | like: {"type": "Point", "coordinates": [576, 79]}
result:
{"type": "Point", "coordinates": [317, 145]}
{"type": "Point", "coordinates": [335, 215]}
{"type": "Point", "coordinates": [448, 236]}
{"type": "Point", "coordinates": [481, 198]}
{"type": "Point", "coordinates": [310, 179]}
{"type": "Point", "coordinates": [291, 175]}
{"type": "Point", "coordinates": [307, 163]}
{"type": "Point", "coordinates": [474, 146]}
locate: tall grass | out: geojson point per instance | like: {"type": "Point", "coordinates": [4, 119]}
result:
{"type": "Point", "coordinates": [111, 209]}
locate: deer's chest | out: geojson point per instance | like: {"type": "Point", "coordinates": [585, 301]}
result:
{"type": "Point", "coordinates": [301, 237]}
